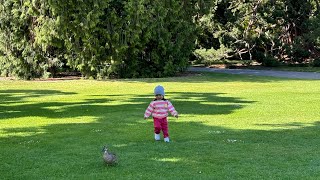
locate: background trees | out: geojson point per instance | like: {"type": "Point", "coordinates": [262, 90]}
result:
{"type": "Point", "coordinates": [271, 32]}
{"type": "Point", "coordinates": [147, 38]}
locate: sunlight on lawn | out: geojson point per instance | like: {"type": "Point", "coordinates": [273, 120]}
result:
{"type": "Point", "coordinates": [168, 160]}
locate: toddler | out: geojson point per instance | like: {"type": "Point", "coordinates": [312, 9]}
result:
{"type": "Point", "coordinates": [159, 108]}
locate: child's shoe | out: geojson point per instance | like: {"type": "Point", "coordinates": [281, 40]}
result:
{"type": "Point", "coordinates": [157, 137]}
{"type": "Point", "coordinates": [166, 139]}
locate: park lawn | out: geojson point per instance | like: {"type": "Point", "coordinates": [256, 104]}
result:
{"type": "Point", "coordinates": [230, 127]}
{"type": "Point", "coordinates": [288, 68]}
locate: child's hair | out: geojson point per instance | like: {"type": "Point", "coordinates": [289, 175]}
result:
{"type": "Point", "coordinates": [161, 99]}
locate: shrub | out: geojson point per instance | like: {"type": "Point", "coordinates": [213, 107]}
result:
{"type": "Point", "coordinates": [270, 61]}
{"type": "Point", "coordinates": [299, 54]}
{"type": "Point", "coordinates": [209, 56]}
{"type": "Point", "coordinates": [316, 62]}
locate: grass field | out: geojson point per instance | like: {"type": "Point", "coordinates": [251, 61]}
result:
{"type": "Point", "coordinates": [288, 68]}
{"type": "Point", "coordinates": [230, 127]}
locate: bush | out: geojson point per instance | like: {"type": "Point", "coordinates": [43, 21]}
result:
{"type": "Point", "coordinates": [209, 56]}
{"type": "Point", "coordinates": [316, 62]}
{"type": "Point", "coordinates": [270, 61]}
{"type": "Point", "coordinates": [299, 54]}
{"type": "Point", "coordinates": [259, 56]}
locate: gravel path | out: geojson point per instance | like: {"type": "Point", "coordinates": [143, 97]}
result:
{"type": "Point", "coordinates": [285, 74]}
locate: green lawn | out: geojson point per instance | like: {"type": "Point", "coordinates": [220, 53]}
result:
{"type": "Point", "coordinates": [230, 127]}
{"type": "Point", "coordinates": [288, 68]}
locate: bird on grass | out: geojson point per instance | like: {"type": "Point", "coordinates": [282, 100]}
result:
{"type": "Point", "coordinates": [108, 157]}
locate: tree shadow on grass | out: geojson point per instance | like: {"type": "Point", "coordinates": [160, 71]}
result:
{"type": "Point", "coordinates": [117, 105]}
{"type": "Point", "coordinates": [209, 77]}
{"type": "Point", "coordinates": [197, 150]}
{"type": "Point", "coordinates": [118, 120]}
{"type": "Point", "coordinates": [16, 96]}
{"type": "Point", "coordinates": [207, 103]}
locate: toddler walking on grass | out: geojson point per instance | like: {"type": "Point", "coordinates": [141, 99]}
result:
{"type": "Point", "coordinates": [159, 108]}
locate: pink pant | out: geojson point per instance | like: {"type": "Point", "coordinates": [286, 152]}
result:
{"type": "Point", "coordinates": [161, 124]}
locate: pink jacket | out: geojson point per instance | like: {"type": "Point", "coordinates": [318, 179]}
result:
{"type": "Point", "coordinates": [160, 108]}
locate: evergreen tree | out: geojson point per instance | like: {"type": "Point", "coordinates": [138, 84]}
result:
{"type": "Point", "coordinates": [114, 38]}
